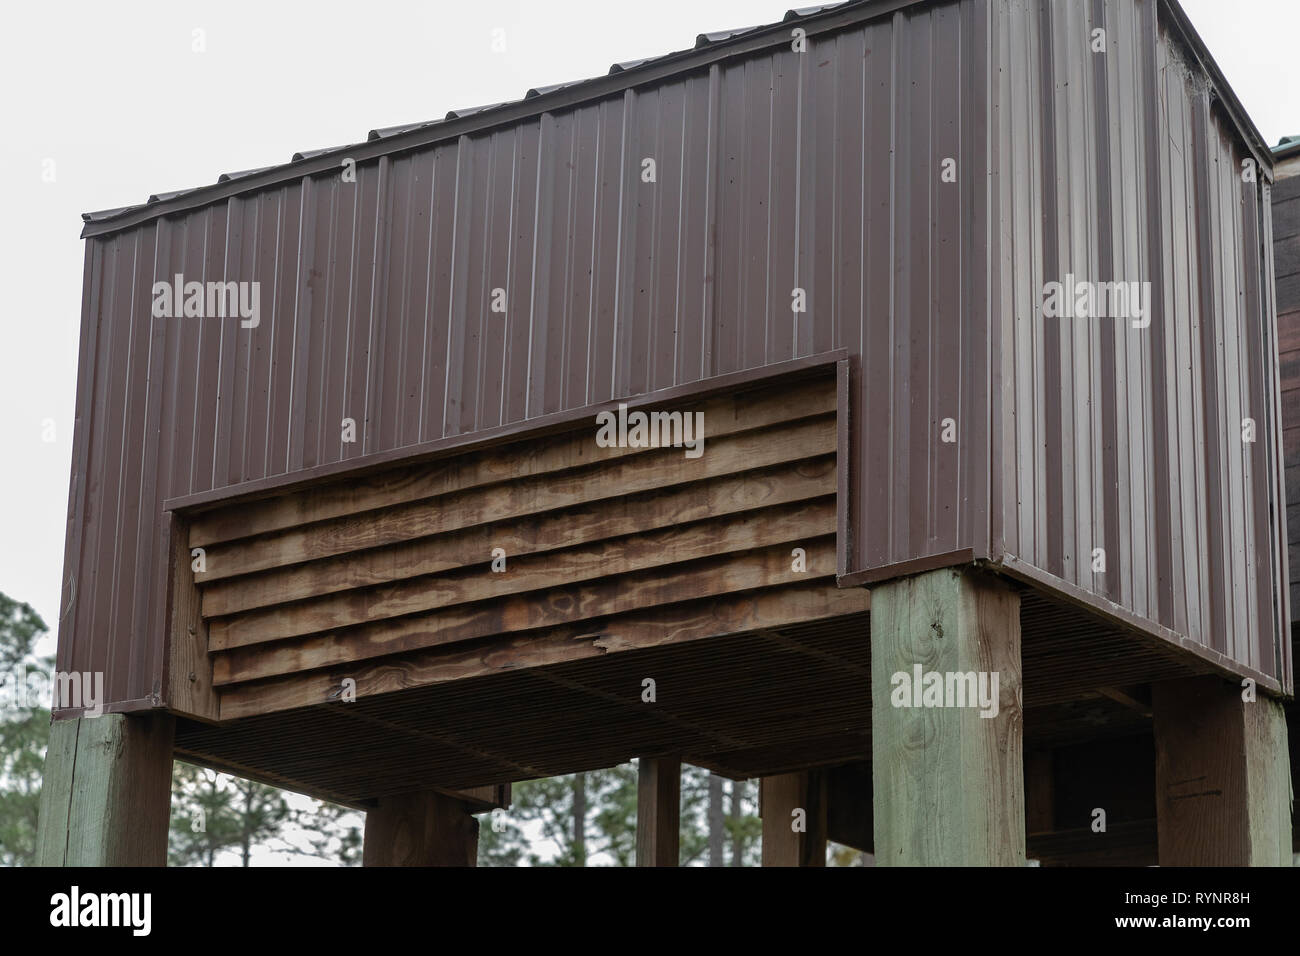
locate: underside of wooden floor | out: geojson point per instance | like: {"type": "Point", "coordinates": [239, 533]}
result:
{"type": "Point", "coordinates": [744, 705]}
{"type": "Point", "coordinates": [649, 604]}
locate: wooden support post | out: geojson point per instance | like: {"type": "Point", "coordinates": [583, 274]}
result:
{"type": "Point", "coordinates": [478, 799]}
{"type": "Point", "coordinates": [848, 806]}
{"type": "Point", "coordinates": [189, 689]}
{"type": "Point", "coordinates": [420, 829]}
{"type": "Point", "coordinates": [106, 797]}
{"type": "Point", "coordinates": [1293, 755]}
{"type": "Point", "coordinates": [1040, 792]}
{"type": "Point", "coordinates": [1066, 786]}
{"type": "Point", "coordinates": [948, 782]}
{"type": "Point", "coordinates": [1223, 776]}
{"type": "Point", "coordinates": [658, 810]}
{"type": "Point", "coordinates": [793, 807]}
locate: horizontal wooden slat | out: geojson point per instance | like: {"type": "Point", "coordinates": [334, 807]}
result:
{"type": "Point", "coordinates": [1288, 291]}
{"type": "Point", "coordinates": [765, 568]}
{"type": "Point", "coordinates": [1288, 330]}
{"type": "Point", "coordinates": [677, 624]}
{"type": "Point", "coordinates": [1288, 370]}
{"type": "Point", "coordinates": [524, 573]}
{"type": "Point", "coordinates": [647, 511]}
{"type": "Point", "coordinates": [724, 455]}
{"type": "Point", "coordinates": [723, 415]}
{"type": "Point", "coordinates": [1291, 444]}
{"type": "Point", "coordinates": [1286, 259]}
{"type": "Point", "coordinates": [1286, 219]}
{"type": "Point", "coordinates": [1291, 406]}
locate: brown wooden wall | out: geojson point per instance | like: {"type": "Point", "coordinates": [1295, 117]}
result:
{"type": "Point", "coordinates": [1286, 266]}
{"type": "Point", "coordinates": [388, 579]}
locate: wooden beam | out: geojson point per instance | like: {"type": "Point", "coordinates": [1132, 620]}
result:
{"type": "Point", "coordinates": [1223, 777]}
{"type": "Point", "coordinates": [478, 799]}
{"type": "Point", "coordinates": [1136, 699]}
{"type": "Point", "coordinates": [1293, 755]}
{"type": "Point", "coordinates": [848, 806]}
{"type": "Point", "coordinates": [793, 808]}
{"type": "Point", "coordinates": [420, 829]}
{"type": "Point", "coordinates": [1040, 792]}
{"type": "Point", "coordinates": [106, 797]}
{"type": "Point", "coordinates": [948, 782]}
{"type": "Point", "coordinates": [1067, 785]}
{"type": "Point", "coordinates": [658, 810]}
{"type": "Point", "coordinates": [1128, 843]}
{"type": "Point", "coordinates": [189, 668]}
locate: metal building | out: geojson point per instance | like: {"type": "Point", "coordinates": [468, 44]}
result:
{"type": "Point", "coordinates": [976, 301]}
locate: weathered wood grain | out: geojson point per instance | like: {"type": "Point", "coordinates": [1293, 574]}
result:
{"type": "Point", "coordinates": [658, 810]}
{"type": "Point", "coordinates": [675, 624]}
{"type": "Point", "coordinates": [790, 840]}
{"type": "Point", "coordinates": [726, 455]}
{"type": "Point", "coordinates": [1040, 795]}
{"type": "Point", "coordinates": [949, 784]}
{"type": "Point", "coordinates": [724, 415]}
{"type": "Point", "coordinates": [420, 829]}
{"type": "Point", "coordinates": [106, 796]}
{"type": "Point", "coordinates": [477, 799]}
{"type": "Point", "coordinates": [764, 568]}
{"type": "Point", "coordinates": [535, 534]}
{"type": "Point", "coordinates": [1223, 779]}
{"type": "Point", "coordinates": [531, 572]}
{"type": "Point", "coordinates": [189, 668]}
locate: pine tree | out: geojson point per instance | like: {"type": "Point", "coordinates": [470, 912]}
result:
{"type": "Point", "coordinates": [717, 820]}
{"type": "Point", "coordinates": [590, 819]}
{"type": "Point", "coordinates": [215, 813]}
{"type": "Point", "coordinates": [24, 732]}
{"type": "Point", "coordinates": [744, 826]}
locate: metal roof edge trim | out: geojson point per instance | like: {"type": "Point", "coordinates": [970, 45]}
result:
{"type": "Point", "coordinates": [242, 173]}
{"type": "Point", "coordinates": [962, 557]}
{"type": "Point", "coordinates": [822, 20]}
{"type": "Point", "coordinates": [1246, 127]}
{"type": "Point", "coordinates": [658, 68]}
{"type": "Point", "coordinates": [567, 420]}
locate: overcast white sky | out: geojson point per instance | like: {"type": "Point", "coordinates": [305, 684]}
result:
{"type": "Point", "coordinates": [114, 95]}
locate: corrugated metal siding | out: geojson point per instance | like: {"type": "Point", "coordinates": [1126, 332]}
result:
{"type": "Point", "coordinates": [775, 170]}
{"type": "Point", "coordinates": [1118, 167]}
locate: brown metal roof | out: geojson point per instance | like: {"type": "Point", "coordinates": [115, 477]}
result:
{"type": "Point", "coordinates": [629, 73]}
